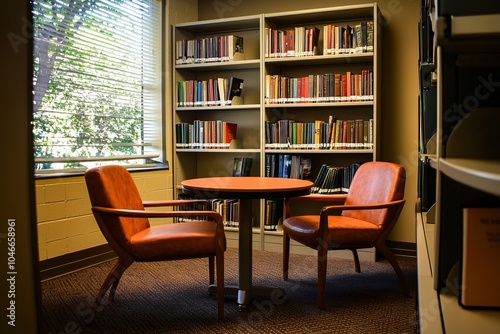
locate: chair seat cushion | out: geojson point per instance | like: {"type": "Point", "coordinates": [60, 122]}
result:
{"type": "Point", "coordinates": [174, 241]}
{"type": "Point", "coordinates": [344, 232]}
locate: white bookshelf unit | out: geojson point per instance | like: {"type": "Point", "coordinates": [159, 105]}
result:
{"type": "Point", "coordinates": [262, 59]}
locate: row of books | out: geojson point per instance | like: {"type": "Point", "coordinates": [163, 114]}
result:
{"type": "Point", "coordinates": [334, 180]}
{"type": "Point", "coordinates": [210, 49]}
{"type": "Point", "coordinates": [294, 42]}
{"type": "Point", "coordinates": [330, 87]}
{"type": "Point", "coordinates": [211, 92]}
{"type": "Point", "coordinates": [229, 209]}
{"type": "Point", "coordinates": [319, 135]}
{"type": "Point", "coordinates": [303, 41]}
{"type": "Point", "coordinates": [287, 166]}
{"type": "Point", "coordinates": [205, 134]}
{"type": "Point", "coordinates": [347, 39]}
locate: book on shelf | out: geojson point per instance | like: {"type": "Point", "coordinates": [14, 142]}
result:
{"type": "Point", "coordinates": [235, 87]}
{"type": "Point", "coordinates": [273, 214]}
{"type": "Point", "coordinates": [235, 45]}
{"type": "Point", "coordinates": [242, 166]}
{"type": "Point", "coordinates": [228, 133]}
{"type": "Point", "coordinates": [481, 257]}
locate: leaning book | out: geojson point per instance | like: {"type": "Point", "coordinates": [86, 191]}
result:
{"type": "Point", "coordinates": [481, 258]}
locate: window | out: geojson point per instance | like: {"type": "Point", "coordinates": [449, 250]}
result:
{"type": "Point", "coordinates": [97, 83]}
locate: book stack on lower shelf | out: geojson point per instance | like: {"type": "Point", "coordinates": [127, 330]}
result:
{"type": "Point", "coordinates": [230, 208]}
{"type": "Point", "coordinates": [334, 180]}
{"type": "Point", "coordinates": [274, 214]}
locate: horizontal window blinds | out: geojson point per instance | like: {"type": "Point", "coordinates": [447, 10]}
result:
{"type": "Point", "coordinates": [97, 82]}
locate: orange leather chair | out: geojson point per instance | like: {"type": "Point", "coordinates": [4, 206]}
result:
{"type": "Point", "coordinates": [370, 211]}
{"type": "Point", "coordinates": [123, 220]}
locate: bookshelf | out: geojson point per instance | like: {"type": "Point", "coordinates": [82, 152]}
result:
{"type": "Point", "coordinates": [356, 66]}
{"type": "Point", "coordinates": [466, 163]}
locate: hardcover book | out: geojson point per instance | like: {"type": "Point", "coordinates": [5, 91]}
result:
{"type": "Point", "coordinates": [481, 257]}
{"type": "Point", "coordinates": [235, 87]}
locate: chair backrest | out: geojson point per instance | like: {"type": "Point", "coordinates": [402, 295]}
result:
{"type": "Point", "coordinates": [376, 182]}
{"type": "Point", "coordinates": [112, 186]}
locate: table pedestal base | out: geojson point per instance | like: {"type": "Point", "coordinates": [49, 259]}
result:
{"type": "Point", "coordinates": [244, 297]}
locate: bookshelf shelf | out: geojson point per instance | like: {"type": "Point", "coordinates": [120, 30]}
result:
{"type": "Point", "coordinates": [480, 174]}
{"type": "Point", "coordinates": [253, 65]}
{"type": "Point", "coordinates": [228, 108]}
{"type": "Point", "coordinates": [215, 150]}
{"type": "Point", "coordinates": [320, 104]}
{"type": "Point", "coordinates": [355, 58]}
{"type": "Point", "coordinates": [282, 151]}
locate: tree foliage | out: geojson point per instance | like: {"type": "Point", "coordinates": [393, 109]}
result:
{"type": "Point", "coordinates": [77, 112]}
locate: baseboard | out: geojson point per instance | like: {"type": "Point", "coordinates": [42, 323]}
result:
{"type": "Point", "coordinates": [401, 248]}
{"type": "Point", "coordinates": [72, 262]}
{"type": "Point", "coordinates": [69, 263]}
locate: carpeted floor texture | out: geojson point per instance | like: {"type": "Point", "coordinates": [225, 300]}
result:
{"type": "Point", "coordinates": [172, 297]}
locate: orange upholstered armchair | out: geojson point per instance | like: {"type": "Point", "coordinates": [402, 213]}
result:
{"type": "Point", "coordinates": [370, 211]}
{"type": "Point", "coordinates": [123, 220]}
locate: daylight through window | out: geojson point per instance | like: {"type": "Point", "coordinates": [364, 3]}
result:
{"type": "Point", "coordinates": [97, 83]}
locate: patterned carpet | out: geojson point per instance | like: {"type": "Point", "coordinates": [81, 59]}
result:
{"type": "Point", "coordinates": [171, 297]}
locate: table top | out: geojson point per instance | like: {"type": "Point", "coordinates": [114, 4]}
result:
{"type": "Point", "coordinates": [244, 187]}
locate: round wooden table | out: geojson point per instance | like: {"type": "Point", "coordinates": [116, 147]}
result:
{"type": "Point", "coordinates": [246, 189]}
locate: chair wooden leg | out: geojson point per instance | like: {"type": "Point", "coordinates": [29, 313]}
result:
{"type": "Point", "coordinates": [286, 255]}
{"type": "Point", "coordinates": [386, 252]}
{"type": "Point", "coordinates": [211, 272]}
{"type": "Point", "coordinates": [113, 279]}
{"type": "Point", "coordinates": [220, 283]}
{"type": "Point", "coordinates": [357, 266]}
{"type": "Point", "coordinates": [322, 263]}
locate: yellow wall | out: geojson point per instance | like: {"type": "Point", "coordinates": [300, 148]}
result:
{"type": "Point", "coordinates": [399, 80]}
{"type": "Point", "coordinates": [65, 221]}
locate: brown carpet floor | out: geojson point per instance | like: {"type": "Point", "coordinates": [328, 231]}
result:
{"type": "Point", "coordinates": [171, 297]}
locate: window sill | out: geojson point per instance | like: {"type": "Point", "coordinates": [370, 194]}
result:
{"type": "Point", "coordinates": [58, 174]}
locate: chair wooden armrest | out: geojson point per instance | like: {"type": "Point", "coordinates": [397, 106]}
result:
{"type": "Point", "coordinates": [328, 209]}
{"type": "Point", "coordinates": [158, 214]}
{"type": "Point", "coordinates": [175, 202]}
